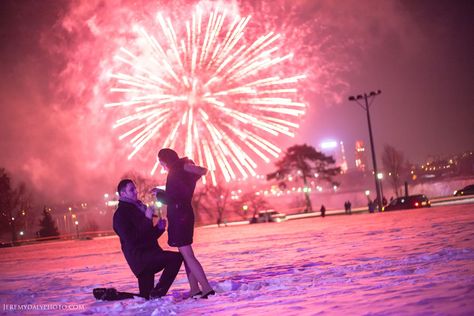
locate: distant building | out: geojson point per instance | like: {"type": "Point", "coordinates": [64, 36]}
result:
{"type": "Point", "coordinates": [360, 156]}
{"type": "Point", "coordinates": [336, 150]}
{"type": "Point", "coordinates": [344, 166]}
{"type": "Point", "coordinates": [453, 165]}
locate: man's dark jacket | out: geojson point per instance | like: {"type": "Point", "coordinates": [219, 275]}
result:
{"type": "Point", "coordinates": [138, 236]}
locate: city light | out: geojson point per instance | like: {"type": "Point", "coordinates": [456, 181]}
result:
{"type": "Point", "coordinates": [328, 144]}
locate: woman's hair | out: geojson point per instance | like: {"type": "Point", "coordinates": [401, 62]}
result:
{"type": "Point", "coordinates": [168, 156]}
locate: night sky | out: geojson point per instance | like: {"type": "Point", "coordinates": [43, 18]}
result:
{"type": "Point", "coordinates": [55, 134]}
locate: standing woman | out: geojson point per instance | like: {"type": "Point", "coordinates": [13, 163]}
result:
{"type": "Point", "coordinates": [180, 184]}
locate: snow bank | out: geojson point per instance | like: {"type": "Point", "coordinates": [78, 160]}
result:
{"type": "Point", "coordinates": [398, 263]}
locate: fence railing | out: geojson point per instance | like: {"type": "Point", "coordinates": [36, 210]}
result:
{"type": "Point", "coordinates": [80, 235]}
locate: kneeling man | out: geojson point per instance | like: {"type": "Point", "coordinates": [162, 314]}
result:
{"type": "Point", "coordinates": [138, 237]}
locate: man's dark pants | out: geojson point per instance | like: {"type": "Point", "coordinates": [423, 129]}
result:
{"type": "Point", "coordinates": [168, 261]}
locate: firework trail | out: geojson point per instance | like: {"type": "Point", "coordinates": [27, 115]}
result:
{"type": "Point", "coordinates": [203, 89]}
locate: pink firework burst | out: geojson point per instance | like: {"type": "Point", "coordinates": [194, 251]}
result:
{"type": "Point", "coordinates": [204, 88]}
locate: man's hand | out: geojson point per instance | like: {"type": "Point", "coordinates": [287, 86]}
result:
{"type": "Point", "coordinates": [149, 212]}
{"type": "Point", "coordinates": [161, 223]}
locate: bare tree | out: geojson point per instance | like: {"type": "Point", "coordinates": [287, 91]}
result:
{"type": "Point", "coordinates": [303, 162]}
{"type": "Point", "coordinates": [24, 209]}
{"type": "Point", "coordinates": [15, 204]}
{"type": "Point", "coordinates": [198, 199]}
{"type": "Point", "coordinates": [395, 164]}
{"type": "Point", "coordinates": [91, 226]}
{"type": "Point", "coordinates": [48, 227]}
{"type": "Point", "coordinates": [7, 204]}
{"type": "Point", "coordinates": [251, 202]}
{"type": "Point", "coordinates": [215, 201]}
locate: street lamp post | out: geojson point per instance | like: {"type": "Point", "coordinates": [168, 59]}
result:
{"type": "Point", "coordinates": [380, 177]}
{"type": "Point", "coordinates": [366, 107]}
{"type": "Point", "coordinates": [77, 229]}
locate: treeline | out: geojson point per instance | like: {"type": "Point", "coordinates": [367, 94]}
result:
{"type": "Point", "coordinates": [18, 215]}
{"type": "Point", "coordinates": [302, 164]}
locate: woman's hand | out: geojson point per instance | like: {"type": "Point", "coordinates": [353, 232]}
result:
{"type": "Point", "coordinates": [161, 223]}
{"type": "Point", "coordinates": [155, 191]}
{"type": "Point", "coordinates": [160, 195]}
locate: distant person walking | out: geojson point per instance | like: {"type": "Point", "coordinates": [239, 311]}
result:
{"type": "Point", "coordinates": [180, 184]}
{"type": "Point", "coordinates": [323, 210]}
{"type": "Point", "coordinates": [349, 207]}
{"type": "Point", "coordinates": [371, 206]}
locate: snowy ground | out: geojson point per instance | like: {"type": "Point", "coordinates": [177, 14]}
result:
{"type": "Point", "coordinates": [417, 262]}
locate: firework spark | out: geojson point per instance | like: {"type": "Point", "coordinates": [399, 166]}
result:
{"type": "Point", "coordinates": [208, 92]}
